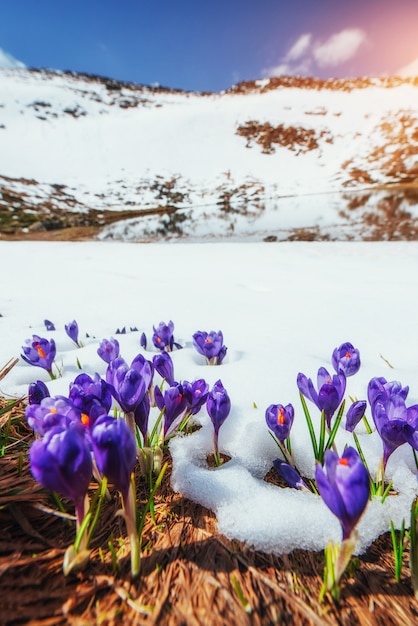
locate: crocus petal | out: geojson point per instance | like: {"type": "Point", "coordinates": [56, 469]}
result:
{"type": "Point", "coordinates": [37, 392]}
{"type": "Point", "coordinates": [61, 461]}
{"type": "Point", "coordinates": [306, 387]}
{"type": "Point", "coordinates": [218, 405]}
{"type": "Point", "coordinates": [290, 475]}
{"type": "Point", "coordinates": [108, 349]}
{"type": "Point", "coordinates": [114, 449]}
{"type": "Point", "coordinates": [354, 414]}
{"type": "Point", "coordinates": [72, 331]}
{"type": "Point", "coordinates": [346, 358]}
{"type": "Point", "coordinates": [344, 486]}
{"type": "Point", "coordinates": [279, 420]}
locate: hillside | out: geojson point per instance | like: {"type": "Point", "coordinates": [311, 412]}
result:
{"type": "Point", "coordinates": [284, 158]}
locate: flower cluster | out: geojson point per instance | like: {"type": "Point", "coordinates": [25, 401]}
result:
{"type": "Point", "coordinates": [343, 482]}
{"type": "Point", "coordinates": [79, 438]}
{"type": "Point", "coordinates": [105, 426]}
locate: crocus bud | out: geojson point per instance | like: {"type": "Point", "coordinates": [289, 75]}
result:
{"type": "Point", "coordinates": [37, 392]}
{"type": "Point", "coordinates": [197, 392]}
{"type": "Point", "coordinates": [346, 358]}
{"type": "Point", "coordinates": [141, 416]}
{"type": "Point", "coordinates": [218, 405]}
{"type": "Point", "coordinates": [344, 486]}
{"type": "Point", "coordinates": [354, 414]}
{"type": "Point", "coordinates": [163, 364]}
{"type": "Point", "coordinates": [174, 401]}
{"type": "Point", "coordinates": [108, 349]}
{"type": "Point", "coordinates": [61, 461]}
{"type": "Point", "coordinates": [279, 420]}
{"type": "Point", "coordinates": [114, 449]}
{"type": "Point", "coordinates": [290, 475]}
{"type": "Point", "coordinates": [72, 331]}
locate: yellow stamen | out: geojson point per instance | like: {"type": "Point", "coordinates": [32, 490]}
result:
{"type": "Point", "coordinates": [85, 419]}
{"type": "Point", "coordinates": [343, 461]}
{"type": "Point", "coordinates": [40, 351]}
{"type": "Point", "coordinates": [348, 355]}
{"type": "Point", "coordinates": [280, 417]}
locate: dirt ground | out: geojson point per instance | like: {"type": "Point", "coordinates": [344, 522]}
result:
{"type": "Point", "coordinates": [190, 574]}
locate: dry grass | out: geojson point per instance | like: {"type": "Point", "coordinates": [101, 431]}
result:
{"type": "Point", "coordinates": [191, 575]}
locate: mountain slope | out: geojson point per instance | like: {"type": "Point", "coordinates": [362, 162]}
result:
{"type": "Point", "coordinates": [249, 161]}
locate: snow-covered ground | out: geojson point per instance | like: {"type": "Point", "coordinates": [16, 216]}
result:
{"type": "Point", "coordinates": [283, 308]}
{"type": "Point", "coordinates": [81, 143]}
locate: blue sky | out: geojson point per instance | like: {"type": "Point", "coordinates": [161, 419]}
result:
{"type": "Point", "coordinates": [211, 45]}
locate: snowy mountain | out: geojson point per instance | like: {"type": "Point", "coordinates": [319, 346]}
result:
{"type": "Point", "coordinates": [283, 158]}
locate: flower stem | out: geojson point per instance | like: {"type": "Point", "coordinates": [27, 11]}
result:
{"type": "Point", "coordinates": [130, 517]}
{"type": "Point", "coordinates": [413, 551]}
{"type": "Point", "coordinates": [398, 548]}
{"type": "Point", "coordinates": [310, 427]}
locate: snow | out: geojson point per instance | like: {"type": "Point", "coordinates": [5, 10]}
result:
{"type": "Point", "coordinates": [282, 308]}
{"type": "Point", "coordinates": [58, 129]}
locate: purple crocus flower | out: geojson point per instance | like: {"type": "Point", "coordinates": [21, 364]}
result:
{"type": "Point", "coordinates": [143, 341]}
{"type": "Point", "coordinates": [346, 358]}
{"type": "Point", "coordinates": [162, 337]}
{"type": "Point", "coordinates": [87, 391]}
{"type": "Point", "coordinates": [344, 487]}
{"type": "Point", "coordinates": [49, 325]}
{"type": "Point", "coordinates": [354, 414]}
{"type": "Point", "coordinates": [72, 331]}
{"type": "Point", "coordinates": [197, 393]}
{"type": "Point", "coordinates": [174, 401]}
{"type": "Point", "coordinates": [61, 461]}
{"type": "Point", "coordinates": [218, 406]}
{"type": "Point", "coordinates": [40, 352]}
{"type": "Point", "coordinates": [210, 345]}
{"type": "Point", "coordinates": [290, 475]}
{"type": "Point", "coordinates": [395, 423]}
{"type": "Point", "coordinates": [330, 392]}
{"type": "Point", "coordinates": [379, 389]}
{"type": "Point", "coordinates": [37, 391]}
{"type": "Point", "coordinates": [114, 449]}
{"type": "Point", "coordinates": [163, 364]}
{"type": "Point", "coordinates": [279, 420]}
{"type": "Point", "coordinates": [51, 412]}
{"type": "Point", "coordinates": [129, 384]}
{"type": "Point", "coordinates": [108, 349]}
{"type": "Point", "coordinates": [141, 415]}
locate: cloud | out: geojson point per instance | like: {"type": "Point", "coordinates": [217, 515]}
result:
{"type": "Point", "coordinates": [408, 70]}
{"type": "Point", "coordinates": [8, 62]}
{"type": "Point", "coordinates": [307, 53]}
{"type": "Point", "coordinates": [339, 48]}
{"type": "Point", "coordinates": [299, 48]}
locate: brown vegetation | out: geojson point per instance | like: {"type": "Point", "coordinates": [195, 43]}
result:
{"type": "Point", "coordinates": [191, 575]}
{"type": "Point", "coordinates": [298, 140]}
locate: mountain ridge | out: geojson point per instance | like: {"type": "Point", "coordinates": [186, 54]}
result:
{"type": "Point", "coordinates": [83, 144]}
